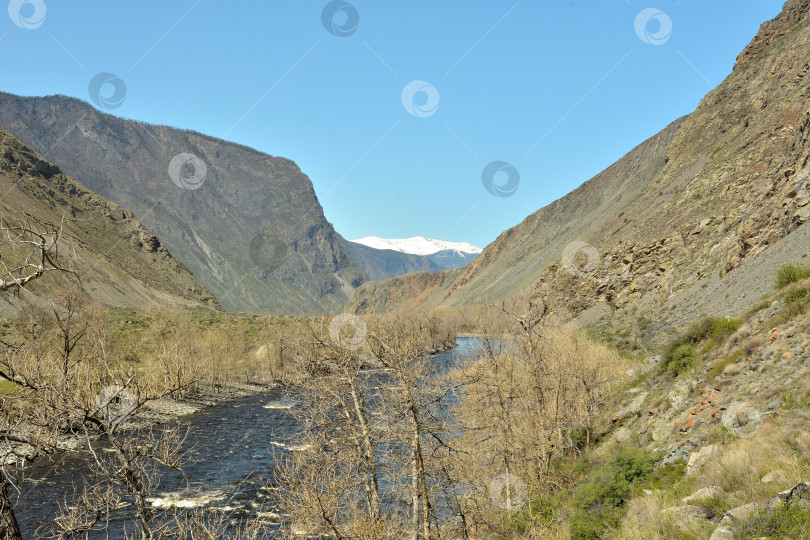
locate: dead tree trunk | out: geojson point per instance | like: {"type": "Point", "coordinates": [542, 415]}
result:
{"type": "Point", "coordinates": [9, 529]}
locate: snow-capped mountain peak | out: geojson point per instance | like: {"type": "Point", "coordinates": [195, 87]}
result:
{"type": "Point", "coordinates": [417, 245]}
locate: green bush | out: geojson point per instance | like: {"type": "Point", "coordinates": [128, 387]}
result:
{"type": "Point", "coordinates": [797, 301]}
{"type": "Point", "coordinates": [791, 273]}
{"type": "Point", "coordinates": [598, 502]}
{"type": "Point", "coordinates": [681, 353]}
{"type": "Point", "coordinates": [681, 359]}
{"type": "Point", "coordinates": [784, 521]}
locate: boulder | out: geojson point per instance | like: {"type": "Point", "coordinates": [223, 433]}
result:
{"type": "Point", "coordinates": [702, 495]}
{"type": "Point", "coordinates": [699, 458]}
{"type": "Point", "coordinates": [737, 515]}
{"type": "Point", "coordinates": [799, 492]}
{"type": "Point", "coordinates": [742, 418]}
{"type": "Point", "coordinates": [722, 533]}
{"type": "Point", "coordinates": [774, 476]}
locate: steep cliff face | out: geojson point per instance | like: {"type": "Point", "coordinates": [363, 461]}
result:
{"type": "Point", "coordinates": [707, 194]}
{"type": "Point", "coordinates": [247, 224]}
{"type": "Point", "coordinates": [120, 262]}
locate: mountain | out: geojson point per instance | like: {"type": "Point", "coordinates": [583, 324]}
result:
{"type": "Point", "coordinates": [248, 225]}
{"type": "Point", "coordinates": [689, 222]}
{"type": "Point", "coordinates": [418, 245]}
{"type": "Point", "coordinates": [120, 262]}
{"type": "Point", "coordinates": [445, 255]}
{"type": "Point", "coordinates": [386, 263]}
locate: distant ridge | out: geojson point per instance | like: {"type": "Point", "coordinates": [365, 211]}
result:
{"type": "Point", "coordinates": [417, 245]}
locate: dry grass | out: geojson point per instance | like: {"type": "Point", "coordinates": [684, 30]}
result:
{"type": "Point", "coordinates": [738, 469]}
{"type": "Point", "coordinates": [646, 519]}
{"type": "Point", "coordinates": [753, 345]}
{"type": "Point", "coordinates": [738, 337]}
{"type": "Point", "coordinates": [742, 464]}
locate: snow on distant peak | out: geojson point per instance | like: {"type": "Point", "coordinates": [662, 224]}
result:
{"type": "Point", "coordinates": [418, 245]}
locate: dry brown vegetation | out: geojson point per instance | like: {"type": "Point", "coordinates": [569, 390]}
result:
{"type": "Point", "coordinates": [418, 452]}
{"type": "Point", "coordinates": [392, 445]}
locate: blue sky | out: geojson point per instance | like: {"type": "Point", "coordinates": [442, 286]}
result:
{"type": "Point", "coordinates": [556, 89]}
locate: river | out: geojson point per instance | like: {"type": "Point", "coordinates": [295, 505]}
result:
{"type": "Point", "coordinates": [230, 460]}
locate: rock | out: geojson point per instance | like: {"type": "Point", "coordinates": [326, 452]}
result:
{"type": "Point", "coordinates": [739, 514]}
{"type": "Point", "coordinates": [742, 418]}
{"type": "Point", "coordinates": [775, 404]}
{"type": "Point", "coordinates": [699, 458]}
{"type": "Point", "coordinates": [685, 514]}
{"type": "Point", "coordinates": [703, 495]}
{"type": "Point", "coordinates": [800, 491]}
{"type": "Point", "coordinates": [722, 533]}
{"type": "Point", "coordinates": [773, 476]}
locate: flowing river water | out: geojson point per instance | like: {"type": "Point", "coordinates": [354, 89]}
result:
{"type": "Point", "coordinates": [230, 461]}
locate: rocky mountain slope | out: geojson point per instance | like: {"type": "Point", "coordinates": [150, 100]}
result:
{"type": "Point", "coordinates": [516, 260]}
{"type": "Point", "coordinates": [247, 224]}
{"type": "Point", "coordinates": [691, 205]}
{"type": "Point", "coordinates": [121, 263]}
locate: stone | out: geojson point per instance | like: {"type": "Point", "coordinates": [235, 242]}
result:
{"type": "Point", "coordinates": [722, 533]}
{"type": "Point", "coordinates": [798, 492]}
{"type": "Point", "coordinates": [774, 476]}
{"type": "Point", "coordinates": [684, 515]}
{"type": "Point", "coordinates": [739, 514]}
{"type": "Point", "coordinates": [775, 403]}
{"type": "Point", "coordinates": [699, 458]}
{"type": "Point", "coordinates": [702, 495]}
{"type": "Point", "coordinates": [742, 418]}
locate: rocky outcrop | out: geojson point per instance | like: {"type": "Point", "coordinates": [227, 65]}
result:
{"type": "Point", "coordinates": [772, 31]}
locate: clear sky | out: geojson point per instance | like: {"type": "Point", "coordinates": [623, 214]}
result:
{"type": "Point", "coordinates": [556, 90]}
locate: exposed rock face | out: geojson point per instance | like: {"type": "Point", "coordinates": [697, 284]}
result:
{"type": "Point", "coordinates": [699, 200]}
{"type": "Point", "coordinates": [252, 229]}
{"type": "Point", "coordinates": [771, 31]}
{"type": "Point", "coordinates": [120, 262]}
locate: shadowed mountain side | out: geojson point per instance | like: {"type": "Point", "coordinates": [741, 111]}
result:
{"type": "Point", "coordinates": [253, 231]}
{"type": "Point", "coordinates": [120, 262]}
{"type": "Point", "coordinates": [385, 263]}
